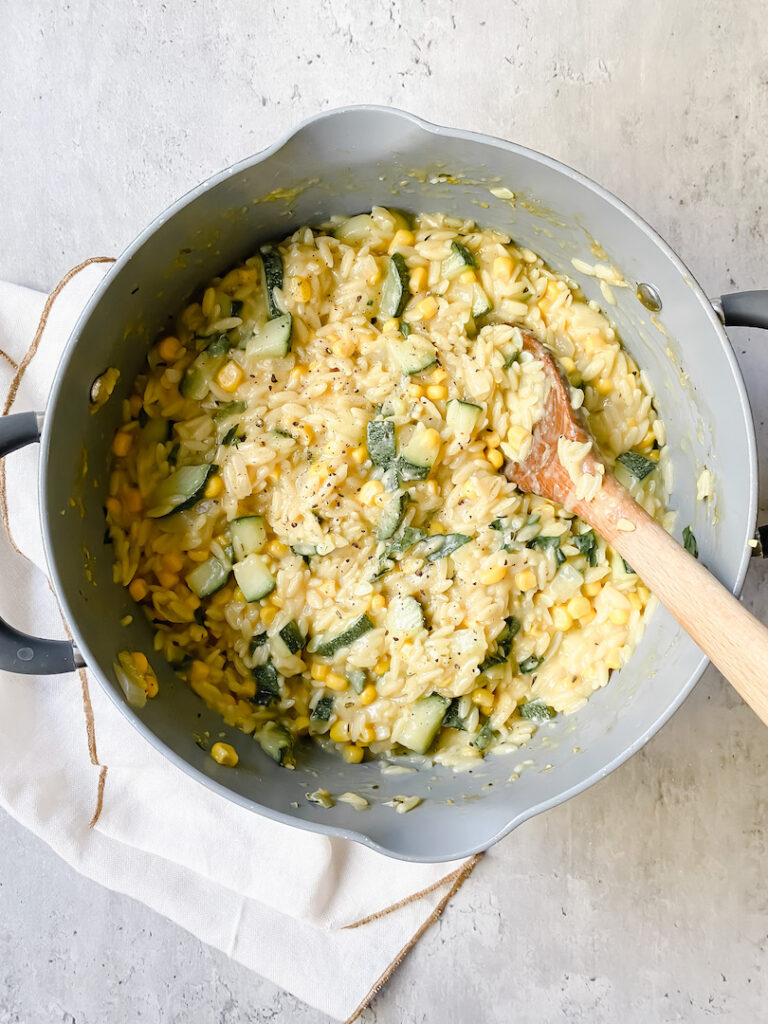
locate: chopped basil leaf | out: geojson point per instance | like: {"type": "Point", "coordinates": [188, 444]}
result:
{"type": "Point", "coordinates": [637, 464]}
{"type": "Point", "coordinates": [689, 542]}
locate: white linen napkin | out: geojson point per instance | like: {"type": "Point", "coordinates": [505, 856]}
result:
{"type": "Point", "coordinates": [74, 771]}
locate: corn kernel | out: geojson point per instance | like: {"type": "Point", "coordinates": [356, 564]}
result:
{"type": "Point", "coordinates": [579, 606]}
{"type": "Point", "coordinates": [436, 527]}
{"type": "Point", "coordinates": [517, 435]}
{"type": "Point", "coordinates": [369, 491]}
{"type": "Point", "coordinates": [381, 667]}
{"type": "Point", "coordinates": [305, 434]}
{"type": "Point", "coordinates": [335, 681]}
{"type": "Point", "coordinates": [644, 594]}
{"type": "Point", "coordinates": [267, 614]}
{"type": "Point", "coordinates": [392, 326]}
{"type": "Point", "coordinates": [352, 754]}
{"type": "Point", "coordinates": [133, 502]}
{"type": "Point", "coordinates": [121, 444]}
{"type": "Point", "coordinates": [613, 660]}
{"type": "Point", "coordinates": [214, 487]}
{"type": "Point", "coordinates": [168, 580]}
{"type": "Point", "coordinates": [343, 347]}
{"type": "Point", "coordinates": [496, 574]}
{"type": "Point", "coordinates": [418, 280]}
{"type": "Point", "coordinates": [427, 308]}
{"type": "Point", "coordinates": [415, 391]}
{"type": "Point", "coordinates": [593, 589]}
{"type": "Point", "coordinates": [134, 404]}
{"type": "Point", "coordinates": [277, 548]}
{"type": "Point", "coordinates": [367, 734]}
{"type": "Point", "coordinates": [359, 455]}
{"type": "Point", "coordinates": [400, 238]}
{"type": "Point", "coordinates": [568, 364]}
{"type": "Point", "coordinates": [561, 618]}
{"type": "Point", "coordinates": [297, 375]}
{"type": "Point", "coordinates": [619, 616]}
{"type": "Point", "coordinates": [378, 601]}
{"type": "Point", "coordinates": [526, 580]}
{"type": "Point", "coordinates": [173, 562]}
{"type": "Point", "coordinates": [437, 392]}
{"type": "Point", "coordinates": [328, 587]}
{"type": "Point", "coordinates": [636, 603]}
{"type": "Point", "coordinates": [468, 276]}
{"type": "Point", "coordinates": [238, 595]}
{"type": "Point", "coordinates": [301, 724]}
{"type": "Point", "coordinates": [339, 731]}
{"type": "Point", "coordinates": [604, 387]}
{"type": "Point", "coordinates": [169, 348]}
{"type": "Point", "coordinates": [492, 439]}
{"type": "Point", "coordinates": [369, 694]}
{"type": "Point", "coordinates": [302, 289]}
{"type": "Point", "coordinates": [431, 438]}
{"type": "Point", "coordinates": [224, 753]}
{"type": "Point", "coordinates": [113, 506]}
{"type": "Point", "coordinates": [230, 376]}
{"type": "Point", "coordinates": [495, 457]}
{"type": "Point", "coordinates": [150, 684]}
{"type": "Point", "coordinates": [198, 672]}
{"type": "Point", "coordinates": [438, 375]}
{"type": "Point", "coordinates": [140, 661]}
{"type": "Point", "coordinates": [319, 671]}
{"type": "Point", "coordinates": [483, 698]}
{"type": "Point", "coordinates": [375, 276]}
{"type": "Point", "coordinates": [502, 268]}
{"type": "Point", "coordinates": [138, 588]}
{"type": "Point", "coordinates": [589, 617]}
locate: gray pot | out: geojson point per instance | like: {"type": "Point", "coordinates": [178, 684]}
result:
{"type": "Point", "coordinates": [344, 162]}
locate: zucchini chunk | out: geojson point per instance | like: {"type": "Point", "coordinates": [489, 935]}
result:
{"type": "Point", "coordinates": [328, 648]}
{"type": "Point", "coordinates": [423, 724]}
{"type": "Point", "coordinates": [275, 740]}
{"type": "Point", "coordinates": [394, 291]}
{"type": "Point", "coordinates": [254, 578]}
{"type": "Point", "coordinates": [249, 535]}
{"type": "Point", "coordinates": [272, 270]}
{"type": "Point", "coordinates": [180, 490]}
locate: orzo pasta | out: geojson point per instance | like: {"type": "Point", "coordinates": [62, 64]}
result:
{"type": "Point", "coordinates": [307, 493]}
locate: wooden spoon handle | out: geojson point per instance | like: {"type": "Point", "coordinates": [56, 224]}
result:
{"type": "Point", "coordinates": [733, 639]}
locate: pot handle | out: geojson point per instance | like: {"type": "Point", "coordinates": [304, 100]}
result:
{"type": "Point", "coordinates": [19, 652]}
{"type": "Point", "coordinates": [743, 309]}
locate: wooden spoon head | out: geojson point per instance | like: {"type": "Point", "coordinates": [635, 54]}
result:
{"type": "Point", "coordinates": [542, 472]}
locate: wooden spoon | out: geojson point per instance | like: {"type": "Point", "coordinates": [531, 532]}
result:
{"type": "Point", "coordinates": [731, 638]}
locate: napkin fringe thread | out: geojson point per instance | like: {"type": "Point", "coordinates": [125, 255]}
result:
{"type": "Point", "coordinates": [459, 877]}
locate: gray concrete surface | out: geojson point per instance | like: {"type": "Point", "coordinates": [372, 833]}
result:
{"type": "Point", "coordinates": [643, 899]}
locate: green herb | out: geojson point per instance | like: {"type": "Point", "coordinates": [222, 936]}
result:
{"type": "Point", "coordinates": [541, 543]}
{"type": "Point", "coordinates": [587, 544]}
{"type": "Point", "coordinates": [536, 711]}
{"type": "Point", "coordinates": [637, 464]}
{"type": "Point", "coordinates": [323, 709]}
{"type": "Point", "coordinates": [628, 568]}
{"type": "Point", "coordinates": [450, 542]}
{"type": "Point", "coordinates": [484, 737]}
{"type": "Point", "coordinates": [451, 719]}
{"type": "Point", "coordinates": [405, 329]}
{"type": "Point", "coordinates": [529, 665]}
{"type": "Point", "coordinates": [406, 537]}
{"type": "Point", "coordinates": [689, 542]}
{"type": "Point", "coordinates": [232, 435]}
{"type": "Point", "coordinates": [503, 644]}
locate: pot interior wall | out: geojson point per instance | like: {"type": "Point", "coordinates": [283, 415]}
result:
{"type": "Point", "coordinates": [344, 163]}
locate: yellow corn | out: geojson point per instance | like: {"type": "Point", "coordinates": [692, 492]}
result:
{"type": "Point", "coordinates": [150, 684]}
{"type": "Point", "coordinates": [367, 734]}
{"type": "Point", "coordinates": [121, 444]}
{"type": "Point", "coordinates": [604, 387]}
{"type": "Point", "coordinates": [133, 500]}
{"type": "Point", "coordinates": [502, 268]}
{"type": "Point", "coordinates": [329, 588]}
{"type": "Point", "coordinates": [526, 580]}
{"type": "Point", "coordinates": [173, 562]}
{"type": "Point", "coordinates": [167, 579]}
{"type": "Point", "coordinates": [301, 724]}
{"type": "Point", "coordinates": [593, 589]}
{"type": "Point", "coordinates": [113, 506]}
{"type": "Point", "coordinates": [369, 492]}
{"type": "Point", "coordinates": [305, 433]}
{"type": "Point", "coordinates": [198, 672]}
{"type": "Point", "coordinates": [319, 671]}
{"type": "Point", "coordinates": [277, 548]}
{"type": "Point", "coordinates": [352, 754]}
{"type": "Point", "coordinates": [198, 555]}
{"type": "Point", "coordinates": [343, 347]}
{"type": "Point", "coordinates": [339, 732]}
{"type": "Point", "coordinates": [302, 289]}
{"type": "Point", "coordinates": [418, 280]}
{"type": "Point", "coordinates": [230, 376]}
{"type": "Point", "coordinates": [415, 391]}
{"type": "Point", "coordinates": [209, 301]}
{"type": "Point", "coordinates": [267, 614]}
{"type": "Point", "coordinates": [436, 527]}
{"type": "Point", "coordinates": [375, 276]}
{"type": "Point", "coordinates": [334, 681]}
{"type": "Point", "coordinates": [427, 308]}
{"type": "Point", "coordinates": [381, 667]}
{"type": "Point", "coordinates": [238, 595]}
{"type": "Point", "coordinates": [468, 276]}
{"type": "Point", "coordinates": [496, 574]}
{"type": "Point", "coordinates": [644, 594]}
{"type": "Point", "coordinates": [619, 616]}
{"type": "Point", "coordinates": [589, 617]}
{"type": "Point", "coordinates": [140, 661]}
{"type": "Point", "coordinates": [568, 364]}
{"type": "Point", "coordinates": [169, 348]}
{"type": "Point", "coordinates": [431, 438]}
{"type": "Point", "coordinates": [214, 487]}
{"type": "Point", "coordinates": [391, 326]}
{"type": "Point", "coordinates": [647, 441]}
{"type": "Point", "coordinates": [483, 698]}
{"type": "Point", "coordinates": [438, 375]}
{"type": "Point", "coordinates": [495, 457]}
{"type": "Point", "coordinates": [378, 601]}
{"type": "Point", "coordinates": [224, 753]}
{"type": "Point", "coordinates": [297, 374]}
{"type": "Point", "coordinates": [138, 588]}
{"type": "Point", "coordinates": [359, 455]}
{"type": "Point", "coordinates": [579, 606]}
{"type": "Point", "coordinates": [492, 439]}
{"type": "Point", "coordinates": [634, 600]}
{"type": "Point", "coordinates": [437, 392]}
{"type": "Point", "coordinates": [401, 237]}
{"type": "Point", "coordinates": [517, 435]}
{"type": "Point", "coordinates": [134, 404]}
{"type": "Point", "coordinates": [561, 618]}
{"type": "Point", "coordinates": [613, 660]}
{"type": "Point", "coordinates": [369, 695]}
